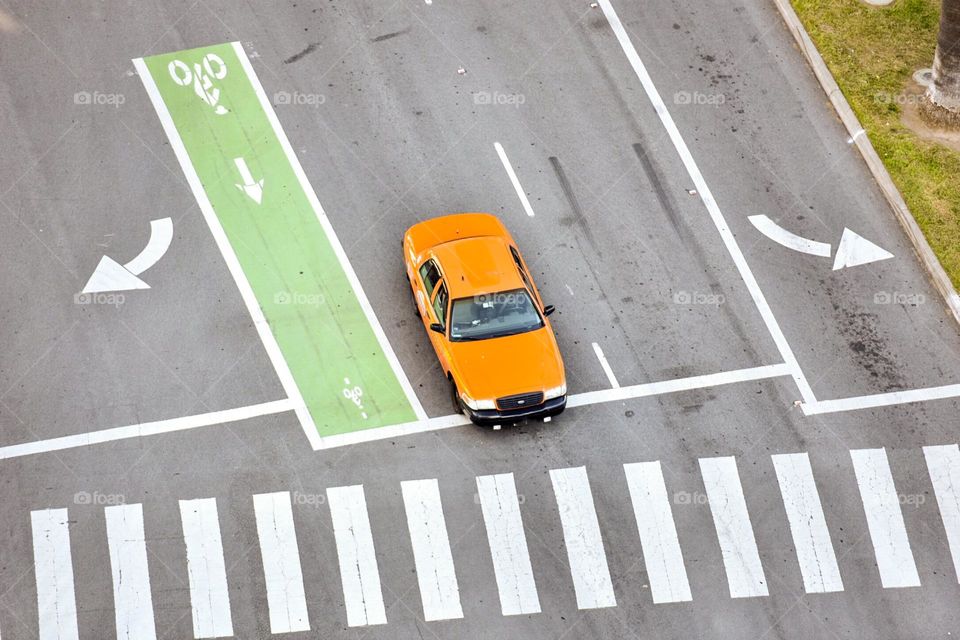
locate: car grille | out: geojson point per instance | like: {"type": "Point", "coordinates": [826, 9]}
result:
{"type": "Point", "coordinates": [520, 401]}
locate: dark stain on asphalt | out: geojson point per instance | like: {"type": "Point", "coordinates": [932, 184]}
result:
{"type": "Point", "coordinates": [578, 217]}
{"type": "Point", "coordinates": [310, 49]}
{"type": "Point", "coordinates": [392, 34]}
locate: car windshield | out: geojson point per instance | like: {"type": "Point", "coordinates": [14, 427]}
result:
{"type": "Point", "coordinates": [493, 315]}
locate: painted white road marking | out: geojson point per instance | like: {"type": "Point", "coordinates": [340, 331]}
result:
{"type": "Point", "coordinates": [606, 366]}
{"type": "Point", "coordinates": [884, 519]}
{"type": "Point", "coordinates": [734, 530]}
{"type": "Point", "coordinates": [881, 400]}
{"type": "Point", "coordinates": [943, 463]}
{"type": "Point", "coordinates": [359, 573]}
{"type": "Point", "coordinates": [508, 544]}
{"type": "Point", "coordinates": [146, 429]}
{"type": "Point", "coordinates": [53, 565]}
{"type": "Point", "coordinates": [785, 238]}
{"type": "Point", "coordinates": [808, 525]}
{"type": "Point", "coordinates": [206, 569]}
{"type": "Point", "coordinates": [281, 563]}
{"type": "Point", "coordinates": [131, 576]}
{"type": "Point", "coordinates": [253, 188]}
{"type": "Point", "coordinates": [581, 535]}
{"type": "Point", "coordinates": [658, 533]}
{"type": "Point", "coordinates": [513, 178]}
{"type": "Point", "coordinates": [436, 575]}
{"type": "Point", "coordinates": [110, 275]}
{"type": "Point", "coordinates": [806, 392]}
{"type": "Point", "coordinates": [855, 250]}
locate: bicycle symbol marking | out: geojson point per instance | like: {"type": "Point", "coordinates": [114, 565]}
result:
{"type": "Point", "coordinates": [202, 76]}
{"type": "Point", "coordinates": [354, 394]}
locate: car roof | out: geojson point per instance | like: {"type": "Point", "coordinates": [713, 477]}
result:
{"type": "Point", "coordinates": [478, 265]}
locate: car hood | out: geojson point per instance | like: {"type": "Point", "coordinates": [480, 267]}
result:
{"type": "Point", "coordinates": [497, 367]}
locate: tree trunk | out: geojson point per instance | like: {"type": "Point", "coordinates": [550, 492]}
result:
{"type": "Point", "coordinates": [944, 90]}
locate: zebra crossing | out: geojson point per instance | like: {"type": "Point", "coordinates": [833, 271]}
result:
{"type": "Point", "coordinates": [513, 569]}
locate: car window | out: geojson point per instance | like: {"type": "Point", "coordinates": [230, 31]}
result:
{"type": "Point", "coordinates": [523, 273]}
{"type": "Point", "coordinates": [493, 315]}
{"type": "Point", "coordinates": [430, 275]}
{"type": "Point", "coordinates": [440, 304]}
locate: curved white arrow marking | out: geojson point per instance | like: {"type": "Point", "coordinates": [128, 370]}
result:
{"type": "Point", "coordinates": [781, 236]}
{"type": "Point", "coordinates": [110, 275]}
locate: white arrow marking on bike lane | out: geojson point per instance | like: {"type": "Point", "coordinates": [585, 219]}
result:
{"type": "Point", "coordinates": [253, 188]}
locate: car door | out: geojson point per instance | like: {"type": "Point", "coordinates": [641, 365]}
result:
{"type": "Point", "coordinates": [426, 284]}
{"type": "Point", "coordinates": [439, 311]}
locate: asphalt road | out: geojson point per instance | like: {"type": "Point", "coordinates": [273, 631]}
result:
{"type": "Point", "coordinates": [393, 110]}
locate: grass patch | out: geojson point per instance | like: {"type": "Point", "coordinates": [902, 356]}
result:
{"type": "Point", "coordinates": [872, 52]}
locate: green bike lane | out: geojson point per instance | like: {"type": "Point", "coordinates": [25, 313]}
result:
{"type": "Point", "coordinates": [309, 308]}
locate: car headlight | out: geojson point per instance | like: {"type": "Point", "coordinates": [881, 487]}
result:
{"type": "Point", "coordinates": [477, 405]}
{"type": "Point", "coordinates": [555, 392]}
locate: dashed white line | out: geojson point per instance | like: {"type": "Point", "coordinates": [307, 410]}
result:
{"type": "Point", "coordinates": [436, 575]}
{"type": "Point", "coordinates": [658, 533]}
{"type": "Point", "coordinates": [282, 573]}
{"type": "Point", "coordinates": [738, 546]}
{"type": "Point", "coordinates": [943, 463]}
{"type": "Point", "coordinates": [606, 366]}
{"type": "Point", "coordinates": [888, 532]}
{"type": "Point", "coordinates": [206, 569]}
{"type": "Point", "coordinates": [359, 573]}
{"type": "Point", "coordinates": [513, 178]}
{"type": "Point", "coordinates": [581, 535]}
{"type": "Point", "coordinates": [508, 544]}
{"type": "Point", "coordinates": [808, 525]}
{"type": "Point", "coordinates": [53, 566]}
{"type": "Point", "coordinates": [132, 600]}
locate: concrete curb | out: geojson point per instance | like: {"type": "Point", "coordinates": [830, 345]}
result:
{"type": "Point", "coordinates": [939, 277]}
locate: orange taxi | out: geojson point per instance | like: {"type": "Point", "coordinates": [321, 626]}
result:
{"type": "Point", "coordinates": [485, 318]}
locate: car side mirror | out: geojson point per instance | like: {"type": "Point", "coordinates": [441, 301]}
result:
{"type": "Point", "coordinates": [436, 326]}
{"type": "Point", "coordinates": [547, 310]}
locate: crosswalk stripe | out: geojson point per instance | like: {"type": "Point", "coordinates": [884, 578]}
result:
{"type": "Point", "coordinates": [738, 545]}
{"type": "Point", "coordinates": [359, 572]}
{"type": "Point", "coordinates": [56, 602]}
{"type": "Point", "coordinates": [943, 463]}
{"type": "Point", "coordinates": [436, 575]}
{"type": "Point", "coordinates": [281, 562]}
{"type": "Point", "coordinates": [131, 577]}
{"type": "Point", "coordinates": [206, 569]}
{"type": "Point", "coordinates": [808, 525]}
{"type": "Point", "coordinates": [658, 533]}
{"type": "Point", "coordinates": [581, 535]}
{"type": "Point", "coordinates": [508, 544]}
{"type": "Point", "coordinates": [888, 532]}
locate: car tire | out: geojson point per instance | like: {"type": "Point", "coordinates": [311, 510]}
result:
{"type": "Point", "coordinates": [455, 398]}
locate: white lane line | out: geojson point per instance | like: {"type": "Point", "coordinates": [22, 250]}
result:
{"type": "Point", "coordinates": [741, 558]}
{"type": "Point", "coordinates": [53, 565]}
{"type": "Point", "coordinates": [606, 366]}
{"type": "Point", "coordinates": [206, 569]}
{"type": "Point", "coordinates": [581, 535]}
{"type": "Point", "coordinates": [808, 525]}
{"type": "Point", "coordinates": [508, 544]}
{"type": "Point", "coordinates": [513, 178]}
{"type": "Point", "coordinates": [145, 429]}
{"type": "Point", "coordinates": [281, 562]}
{"type": "Point", "coordinates": [658, 533]}
{"type": "Point", "coordinates": [781, 236]}
{"type": "Point", "coordinates": [943, 463]}
{"type": "Point", "coordinates": [881, 400]}
{"type": "Point", "coordinates": [806, 392]}
{"type": "Point", "coordinates": [131, 576]}
{"type": "Point", "coordinates": [436, 575]}
{"type": "Point", "coordinates": [385, 346]}
{"type": "Point", "coordinates": [226, 250]}
{"type": "Point", "coordinates": [888, 532]}
{"type": "Point", "coordinates": [359, 572]}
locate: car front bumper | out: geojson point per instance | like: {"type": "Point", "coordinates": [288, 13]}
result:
{"type": "Point", "coordinates": [487, 417]}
